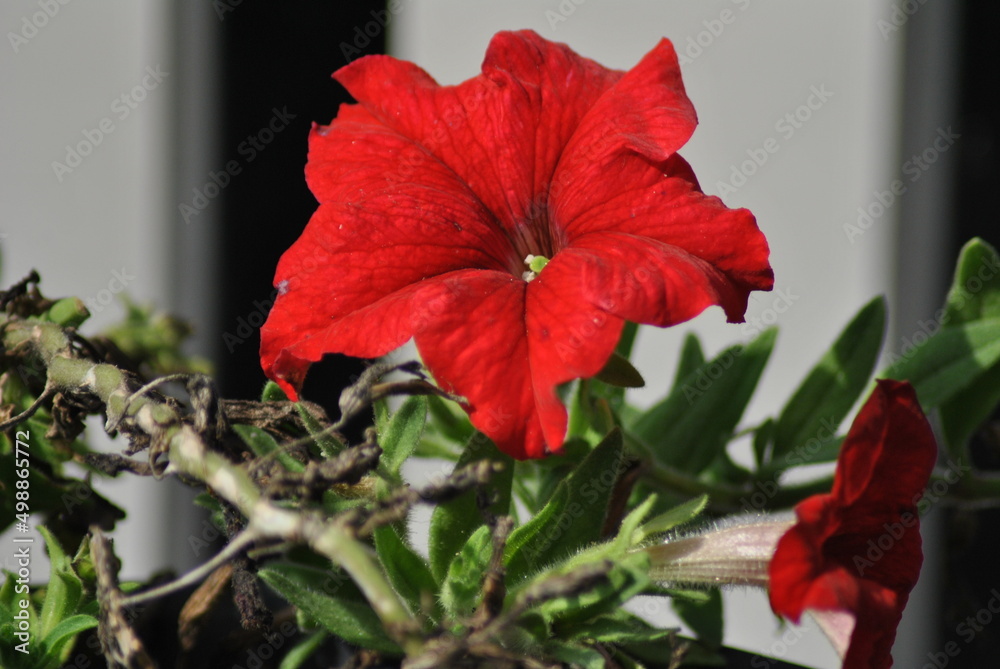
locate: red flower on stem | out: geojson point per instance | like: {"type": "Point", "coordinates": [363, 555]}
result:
{"type": "Point", "coordinates": [510, 225]}
{"type": "Point", "coordinates": [826, 563]}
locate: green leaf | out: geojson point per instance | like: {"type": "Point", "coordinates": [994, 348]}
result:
{"type": "Point", "coordinates": [974, 295]}
{"type": "Point", "coordinates": [399, 436]}
{"type": "Point", "coordinates": [627, 578]}
{"type": "Point", "coordinates": [941, 366]}
{"type": "Point", "coordinates": [615, 394]}
{"type": "Point", "coordinates": [64, 590]}
{"type": "Point", "coordinates": [969, 408]}
{"type": "Point", "coordinates": [57, 642]}
{"type": "Point", "coordinates": [273, 393]}
{"type": "Point", "coordinates": [574, 654]}
{"type": "Point", "coordinates": [691, 358]}
{"type": "Point", "coordinates": [619, 626]}
{"type": "Point", "coordinates": [975, 289]}
{"type": "Point", "coordinates": [408, 572]}
{"type": "Point", "coordinates": [264, 445]}
{"type": "Point", "coordinates": [705, 618]}
{"type": "Point", "coordinates": [10, 602]}
{"type": "Point", "coordinates": [832, 387]}
{"type": "Point", "coordinates": [573, 517]}
{"type": "Point", "coordinates": [337, 605]}
{"type": "Point", "coordinates": [303, 650]}
{"type": "Point", "coordinates": [689, 428]}
{"type": "Point", "coordinates": [452, 523]}
{"type": "Point", "coordinates": [449, 420]}
{"type": "Point", "coordinates": [676, 516]}
{"type": "Point", "coordinates": [763, 440]}
{"type": "Point", "coordinates": [463, 584]}
{"type": "Point", "coordinates": [327, 443]}
{"type": "Point", "coordinates": [620, 373]}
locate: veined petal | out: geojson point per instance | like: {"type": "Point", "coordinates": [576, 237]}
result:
{"type": "Point", "coordinates": [347, 282]}
{"type": "Point", "coordinates": [492, 373]}
{"type": "Point", "coordinates": [502, 132]}
{"type": "Point", "coordinates": [646, 112]}
{"type": "Point", "coordinates": [662, 202]}
{"type": "Point", "coordinates": [647, 281]}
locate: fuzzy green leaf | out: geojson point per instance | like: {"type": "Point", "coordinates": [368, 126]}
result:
{"type": "Point", "coordinates": [676, 516]}
{"type": "Point", "coordinates": [453, 522]}
{"type": "Point", "coordinates": [400, 435]}
{"type": "Point", "coordinates": [59, 639]}
{"type": "Point", "coordinates": [408, 573]}
{"type": "Point", "coordinates": [329, 445]}
{"type": "Point", "coordinates": [461, 588]}
{"type": "Point", "coordinates": [64, 589]}
{"type": "Point", "coordinates": [573, 517]}
{"type": "Point", "coordinates": [575, 654]}
{"type": "Point", "coordinates": [340, 608]}
{"type": "Point", "coordinates": [303, 650]}
{"type": "Point", "coordinates": [264, 445]}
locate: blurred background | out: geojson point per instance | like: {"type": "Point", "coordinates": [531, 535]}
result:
{"type": "Point", "coordinates": [156, 148]}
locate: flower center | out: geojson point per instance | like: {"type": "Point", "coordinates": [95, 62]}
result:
{"type": "Point", "coordinates": [535, 265]}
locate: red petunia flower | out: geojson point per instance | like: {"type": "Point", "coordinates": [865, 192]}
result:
{"type": "Point", "coordinates": [510, 225]}
{"type": "Point", "coordinates": [854, 554]}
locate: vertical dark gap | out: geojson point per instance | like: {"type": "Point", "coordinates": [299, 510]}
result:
{"type": "Point", "coordinates": [277, 60]}
{"type": "Point", "coordinates": [972, 585]}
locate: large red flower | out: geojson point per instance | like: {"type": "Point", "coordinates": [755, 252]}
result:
{"type": "Point", "coordinates": [854, 554]}
{"type": "Point", "coordinates": [432, 198]}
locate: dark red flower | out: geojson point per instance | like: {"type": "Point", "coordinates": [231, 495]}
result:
{"type": "Point", "coordinates": [854, 554]}
{"type": "Point", "coordinates": [432, 198]}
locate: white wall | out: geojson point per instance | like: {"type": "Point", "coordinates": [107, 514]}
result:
{"type": "Point", "coordinates": [750, 63]}
{"type": "Point", "coordinates": [102, 223]}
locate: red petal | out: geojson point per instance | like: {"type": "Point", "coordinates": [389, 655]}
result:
{"type": "Point", "coordinates": [661, 203]}
{"type": "Point", "coordinates": [646, 112]}
{"type": "Point", "coordinates": [545, 334]}
{"type": "Point", "coordinates": [491, 372]}
{"type": "Point", "coordinates": [502, 132]}
{"type": "Point", "coordinates": [347, 281]}
{"type": "Point", "coordinates": [858, 548]}
{"type": "Point", "coordinates": [646, 281]}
